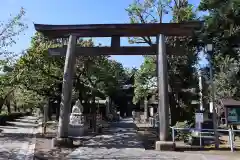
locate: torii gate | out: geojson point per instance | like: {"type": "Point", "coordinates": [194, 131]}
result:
{"type": "Point", "coordinates": [116, 31]}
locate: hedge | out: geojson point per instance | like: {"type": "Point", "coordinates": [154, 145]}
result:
{"type": "Point", "coordinates": [11, 117]}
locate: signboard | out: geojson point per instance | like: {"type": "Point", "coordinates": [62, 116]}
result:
{"type": "Point", "coordinates": [233, 115]}
{"type": "Point", "coordinates": [198, 117]}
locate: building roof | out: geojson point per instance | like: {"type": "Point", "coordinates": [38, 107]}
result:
{"type": "Point", "coordinates": [230, 102]}
{"type": "Point", "coordinates": [122, 30]}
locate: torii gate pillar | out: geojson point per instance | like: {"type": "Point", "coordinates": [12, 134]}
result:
{"type": "Point", "coordinates": [67, 86]}
{"type": "Point", "coordinates": [163, 100]}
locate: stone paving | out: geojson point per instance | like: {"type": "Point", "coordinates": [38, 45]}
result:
{"type": "Point", "coordinates": [17, 139]}
{"type": "Point", "coordinates": [121, 142]}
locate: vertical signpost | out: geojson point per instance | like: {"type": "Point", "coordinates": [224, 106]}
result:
{"type": "Point", "coordinates": [199, 121]}
{"type": "Point", "coordinates": [200, 91]}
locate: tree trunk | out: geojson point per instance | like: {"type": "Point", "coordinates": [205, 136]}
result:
{"type": "Point", "coordinates": [24, 108]}
{"type": "Point", "coordinates": [42, 110]}
{"type": "Point", "coordinates": [173, 105]}
{"type": "Point", "coordinates": [15, 105]}
{"type": "Point", "coordinates": [8, 106]}
{"type": "Point", "coordinates": [58, 107]}
{"type": "Point", "coordinates": [174, 109]}
{"type": "Point", "coordinates": [94, 109]}
{"type": "Point", "coordinates": [1, 104]}
{"type": "Point", "coordinates": [108, 106]}
{"type": "Point", "coordinates": [49, 110]}
{"type": "Point", "coordinates": [57, 111]}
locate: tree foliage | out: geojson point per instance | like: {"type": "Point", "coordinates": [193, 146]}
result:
{"type": "Point", "coordinates": [9, 32]}
{"type": "Point", "coordinates": [35, 76]}
{"type": "Point", "coordinates": [222, 29]}
{"type": "Point", "coordinates": [41, 74]}
{"type": "Point", "coordinates": [227, 82]}
{"type": "Point", "coordinates": [181, 69]}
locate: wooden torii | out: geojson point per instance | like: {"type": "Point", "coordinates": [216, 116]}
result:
{"type": "Point", "coordinates": [116, 31]}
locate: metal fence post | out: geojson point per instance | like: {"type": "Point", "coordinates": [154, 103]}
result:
{"type": "Point", "coordinates": [173, 134]}
{"type": "Point", "coordinates": [231, 139]}
{"type": "Point", "coordinates": [233, 135]}
{"type": "Point", "coordinates": [152, 122]}
{"type": "Point", "coordinates": [200, 138]}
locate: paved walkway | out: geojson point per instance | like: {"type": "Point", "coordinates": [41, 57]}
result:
{"type": "Point", "coordinates": [115, 142]}
{"type": "Point", "coordinates": [121, 142]}
{"type": "Point", "coordinates": [17, 139]}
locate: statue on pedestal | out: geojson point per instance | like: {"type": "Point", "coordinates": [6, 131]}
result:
{"type": "Point", "coordinates": [76, 125]}
{"type": "Point", "coordinates": [76, 115]}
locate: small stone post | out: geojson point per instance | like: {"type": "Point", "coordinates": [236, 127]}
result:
{"type": "Point", "coordinates": [145, 110]}
{"type": "Point", "coordinates": [45, 118]}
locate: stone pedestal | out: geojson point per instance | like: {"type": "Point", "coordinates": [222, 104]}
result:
{"type": "Point", "coordinates": [165, 146]}
{"type": "Point", "coordinates": [62, 142]}
{"type": "Point", "coordinates": [76, 127]}
{"type": "Point", "coordinates": [76, 130]}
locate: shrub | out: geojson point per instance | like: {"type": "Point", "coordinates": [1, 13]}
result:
{"type": "Point", "coordinates": [182, 134]}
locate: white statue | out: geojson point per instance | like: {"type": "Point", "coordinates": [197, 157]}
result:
{"type": "Point", "coordinates": [76, 124]}
{"type": "Point", "coordinates": [76, 115]}
{"type": "Point", "coordinates": [77, 108]}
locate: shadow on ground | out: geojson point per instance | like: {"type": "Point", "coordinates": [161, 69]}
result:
{"type": "Point", "coordinates": [44, 151]}
{"type": "Point", "coordinates": [7, 127]}
{"type": "Point", "coordinates": [20, 125]}
{"type": "Point", "coordinates": [118, 135]}
{"type": "Point", "coordinates": [197, 148]}
{"type": "Point", "coordinates": [17, 137]}
{"type": "Point", "coordinates": [22, 120]}
{"type": "Point", "coordinates": [12, 154]}
{"type": "Point", "coordinates": [118, 140]}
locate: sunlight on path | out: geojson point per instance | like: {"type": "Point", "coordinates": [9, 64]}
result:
{"type": "Point", "coordinates": [120, 142]}
{"type": "Point", "coordinates": [17, 139]}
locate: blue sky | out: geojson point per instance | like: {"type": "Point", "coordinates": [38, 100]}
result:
{"type": "Point", "coordinates": [71, 12]}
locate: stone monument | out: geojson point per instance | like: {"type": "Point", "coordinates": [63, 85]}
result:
{"type": "Point", "coordinates": [76, 123]}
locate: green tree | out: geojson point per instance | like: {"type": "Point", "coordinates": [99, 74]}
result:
{"type": "Point", "coordinates": [94, 77]}
{"type": "Point", "coordinates": [181, 71]}
{"type": "Point", "coordinates": [227, 82]}
{"type": "Point", "coordinates": [222, 29]}
{"type": "Point", "coordinates": [9, 32]}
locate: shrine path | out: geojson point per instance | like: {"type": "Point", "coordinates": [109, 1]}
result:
{"type": "Point", "coordinates": [17, 139]}
{"type": "Point", "coordinates": [120, 141]}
